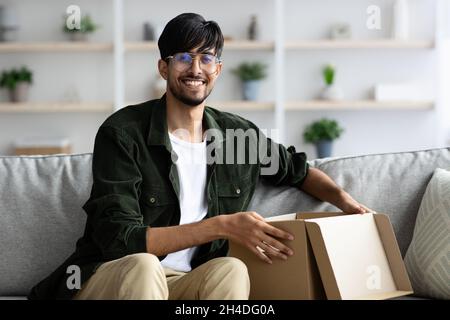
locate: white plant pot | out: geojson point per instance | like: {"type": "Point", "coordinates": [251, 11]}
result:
{"type": "Point", "coordinates": [332, 93]}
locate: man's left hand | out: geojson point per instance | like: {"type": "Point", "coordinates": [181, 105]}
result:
{"type": "Point", "coordinates": [351, 206]}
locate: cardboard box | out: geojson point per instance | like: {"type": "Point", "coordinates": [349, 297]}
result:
{"type": "Point", "coordinates": [336, 256]}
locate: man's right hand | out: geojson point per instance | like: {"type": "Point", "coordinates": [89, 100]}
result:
{"type": "Point", "coordinates": [251, 231]}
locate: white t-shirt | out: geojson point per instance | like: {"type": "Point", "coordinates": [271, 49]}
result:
{"type": "Point", "coordinates": [191, 166]}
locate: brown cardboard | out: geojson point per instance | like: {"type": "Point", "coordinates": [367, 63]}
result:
{"type": "Point", "coordinates": [352, 251]}
{"type": "Point", "coordinates": [296, 278]}
{"type": "Point", "coordinates": [301, 277]}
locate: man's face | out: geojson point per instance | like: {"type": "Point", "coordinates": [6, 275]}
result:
{"type": "Point", "coordinates": [193, 83]}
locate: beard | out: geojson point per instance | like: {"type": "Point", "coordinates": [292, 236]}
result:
{"type": "Point", "coordinates": [185, 98]}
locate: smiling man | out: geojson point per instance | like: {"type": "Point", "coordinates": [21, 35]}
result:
{"type": "Point", "coordinates": [164, 204]}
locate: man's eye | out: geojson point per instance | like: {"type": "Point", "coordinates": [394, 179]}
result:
{"type": "Point", "coordinates": [206, 59]}
{"type": "Point", "coordinates": [184, 58]}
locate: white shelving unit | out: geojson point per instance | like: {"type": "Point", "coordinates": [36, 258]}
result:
{"type": "Point", "coordinates": [37, 107]}
{"type": "Point", "coordinates": [23, 47]}
{"type": "Point", "coordinates": [119, 47]}
{"type": "Point", "coordinates": [358, 44]}
{"type": "Point", "coordinates": [358, 105]}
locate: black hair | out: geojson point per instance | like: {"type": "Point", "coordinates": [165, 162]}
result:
{"type": "Point", "coordinates": [188, 31]}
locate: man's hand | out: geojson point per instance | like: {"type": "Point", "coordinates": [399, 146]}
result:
{"type": "Point", "coordinates": [251, 231]}
{"type": "Point", "coordinates": [350, 206]}
{"type": "Point", "coordinates": [321, 186]}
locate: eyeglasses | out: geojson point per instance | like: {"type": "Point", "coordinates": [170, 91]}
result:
{"type": "Point", "coordinates": [183, 61]}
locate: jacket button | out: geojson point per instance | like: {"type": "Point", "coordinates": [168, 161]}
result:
{"type": "Point", "coordinates": [152, 200]}
{"type": "Point", "coordinates": [238, 191]}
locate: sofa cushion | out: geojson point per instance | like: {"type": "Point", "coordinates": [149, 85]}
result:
{"type": "Point", "coordinates": [40, 216]}
{"type": "Point", "coordinates": [428, 257]}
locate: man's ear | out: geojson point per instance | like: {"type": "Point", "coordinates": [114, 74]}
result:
{"type": "Point", "coordinates": [163, 68]}
{"type": "Point", "coordinates": [219, 69]}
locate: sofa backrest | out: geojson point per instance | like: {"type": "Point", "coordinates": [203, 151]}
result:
{"type": "Point", "coordinates": [40, 216]}
{"type": "Point", "coordinates": [41, 198]}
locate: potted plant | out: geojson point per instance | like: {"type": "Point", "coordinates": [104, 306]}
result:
{"type": "Point", "coordinates": [331, 91]}
{"type": "Point", "coordinates": [321, 133]}
{"type": "Point", "coordinates": [251, 75]}
{"type": "Point", "coordinates": [87, 26]}
{"type": "Point", "coordinates": [17, 82]}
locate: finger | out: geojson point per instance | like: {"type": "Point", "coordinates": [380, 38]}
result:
{"type": "Point", "coordinates": [368, 209]}
{"type": "Point", "coordinates": [278, 233]}
{"type": "Point", "coordinates": [277, 245]}
{"type": "Point", "coordinates": [256, 215]}
{"type": "Point", "coordinates": [260, 254]}
{"type": "Point", "coordinates": [272, 251]}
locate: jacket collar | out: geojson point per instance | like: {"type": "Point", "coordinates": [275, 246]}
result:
{"type": "Point", "coordinates": [158, 132]}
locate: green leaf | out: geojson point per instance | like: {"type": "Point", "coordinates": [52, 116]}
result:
{"type": "Point", "coordinates": [324, 129]}
{"type": "Point", "coordinates": [10, 78]}
{"type": "Point", "coordinates": [87, 25]}
{"type": "Point", "coordinates": [328, 74]}
{"type": "Point", "coordinates": [250, 71]}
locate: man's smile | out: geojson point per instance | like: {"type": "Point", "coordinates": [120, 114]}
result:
{"type": "Point", "coordinates": [193, 83]}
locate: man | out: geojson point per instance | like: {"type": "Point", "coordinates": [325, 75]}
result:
{"type": "Point", "coordinates": [160, 211]}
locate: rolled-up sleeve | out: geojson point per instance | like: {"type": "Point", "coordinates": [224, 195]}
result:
{"type": "Point", "coordinates": [113, 207]}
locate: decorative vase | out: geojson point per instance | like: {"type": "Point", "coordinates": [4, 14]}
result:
{"type": "Point", "coordinates": [20, 92]}
{"type": "Point", "coordinates": [324, 148]}
{"type": "Point", "coordinates": [9, 24]}
{"type": "Point", "coordinates": [250, 89]}
{"type": "Point", "coordinates": [400, 23]}
{"type": "Point", "coordinates": [149, 32]}
{"type": "Point", "coordinates": [253, 29]}
{"type": "Point", "coordinates": [332, 93]}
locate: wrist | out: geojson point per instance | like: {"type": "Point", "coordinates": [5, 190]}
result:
{"type": "Point", "coordinates": [219, 226]}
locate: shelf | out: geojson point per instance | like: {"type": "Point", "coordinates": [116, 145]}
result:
{"type": "Point", "coordinates": [141, 46]}
{"type": "Point", "coordinates": [360, 44]}
{"type": "Point", "coordinates": [56, 107]}
{"type": "Point", "coordinates": [228, 45]}
{"type": "Point", "coordinates": [248, 45]}
{"type": "Point", "coordinates": [241, 105]}
{"type": "Point", "coordinates": [65, 46]}
{"type": "Point", "coordinates": [55, 47]}
{"type": "Point", "coordinates": [358, 105]}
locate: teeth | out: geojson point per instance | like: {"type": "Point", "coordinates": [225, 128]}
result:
{"type": "Point", "coordinates": [194, 83]}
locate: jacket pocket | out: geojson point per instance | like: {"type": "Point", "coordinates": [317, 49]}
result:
{"type": "Point", "coordinates": [158, 206]}
{"type": "Point", "coordinates": [234, 195]}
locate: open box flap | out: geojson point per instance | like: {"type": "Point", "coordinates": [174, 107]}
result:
{"type": "Point", "coordinates": [352, 259]}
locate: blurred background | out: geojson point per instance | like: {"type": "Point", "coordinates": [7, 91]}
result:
{"type": "Point", "coordinates": [334, 78]}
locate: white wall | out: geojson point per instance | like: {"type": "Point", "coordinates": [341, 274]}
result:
{"type": "Point", "coordinates": [357, 70]}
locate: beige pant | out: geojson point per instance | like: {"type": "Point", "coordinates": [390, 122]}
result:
{"type": "Point", "coordinates": [141, 276]}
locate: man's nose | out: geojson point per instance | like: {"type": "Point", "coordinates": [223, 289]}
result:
{"type": "Point", "coordinates": [195, 66]}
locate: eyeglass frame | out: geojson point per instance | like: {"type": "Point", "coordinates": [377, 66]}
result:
{"type": "Point", "coordinates": [218, 61]}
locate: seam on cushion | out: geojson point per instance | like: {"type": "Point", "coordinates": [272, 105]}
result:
{"type": "Point", "coordinates": [380, 154]}
{"type": "Point", "coordinates": [48, 156]}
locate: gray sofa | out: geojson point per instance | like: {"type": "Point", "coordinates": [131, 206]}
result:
{"type": "Point", "coordinates": [41, 197]}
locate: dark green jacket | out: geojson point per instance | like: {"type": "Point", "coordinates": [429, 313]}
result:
{"type": "Point", "coordinates": [135, 185]}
